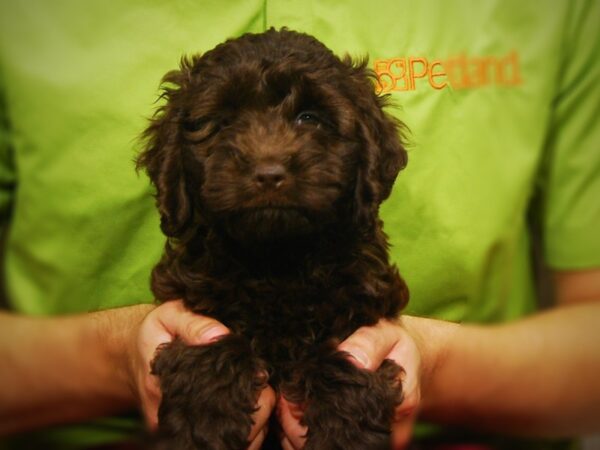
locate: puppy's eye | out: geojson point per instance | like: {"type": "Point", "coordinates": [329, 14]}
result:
{"type": "Point", "coordinates": [308, 118]}
{"type": "Point", "coordinates": [199, 130]}
{"type": "Point", "coordinates": [192, 125]}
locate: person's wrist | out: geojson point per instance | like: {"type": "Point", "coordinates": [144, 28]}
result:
{"type": "Point", "coordinates": [434, 340]}
{"type": "Point", "coordinates": [131, 359]}
{"type": "Point", "coordinates": [117, 331]}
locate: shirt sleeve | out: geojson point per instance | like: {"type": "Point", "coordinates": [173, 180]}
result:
{"type": "Point", "coordinates": [571, 176]}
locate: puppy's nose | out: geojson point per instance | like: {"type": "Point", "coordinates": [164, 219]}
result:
{"type": "Point", "coordinates": [270, 175]}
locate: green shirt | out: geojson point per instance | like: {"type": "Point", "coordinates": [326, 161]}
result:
{"type": "Point", "coordinates": [502, 99]}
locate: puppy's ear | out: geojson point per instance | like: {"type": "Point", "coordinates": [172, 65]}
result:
{"type": "Point", "coordinates": [382, 154]}
{"type": "Point", "coordinates": [162, 157]}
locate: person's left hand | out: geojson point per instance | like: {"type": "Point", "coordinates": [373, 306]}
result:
{"type": "Point", "coordinates": [368, 347]}
{"type": "Point", "coordinates": [161, 325]}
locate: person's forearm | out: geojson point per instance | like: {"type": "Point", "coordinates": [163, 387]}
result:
{"type": "Point", "coordinates": [65, 369]}
{"type": "Point", "coordinates": [537, 376]}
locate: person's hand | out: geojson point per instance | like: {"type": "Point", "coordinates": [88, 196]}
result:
{"type": "Point", "coordinates": [368, 347]}
{"type": "Point", "coordinates": [161, 325]}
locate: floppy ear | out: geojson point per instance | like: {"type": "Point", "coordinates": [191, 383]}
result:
{"type": "Point", "coordinates": [162, 157]}
{"type": "Point", "coordinates": [381, 138]}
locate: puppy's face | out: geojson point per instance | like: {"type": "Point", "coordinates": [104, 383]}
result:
{"type": "Point", "coordinates": [275, 157]}
{"type": "Point", "coordinates": [270, 136]}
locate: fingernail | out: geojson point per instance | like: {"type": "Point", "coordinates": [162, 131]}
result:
{"type": "Point", "coordinates": [213, 334]}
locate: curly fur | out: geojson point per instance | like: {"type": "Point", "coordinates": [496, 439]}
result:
{"type": "Point", "coordinates": [270, 158]}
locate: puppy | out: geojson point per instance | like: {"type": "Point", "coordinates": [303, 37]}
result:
{"type": "Point", "coordinates": [270, 158]}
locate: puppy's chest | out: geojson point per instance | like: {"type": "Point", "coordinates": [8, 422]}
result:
{"type": "Point", "coordinates": [253, 307]}
{"type": "Point", "coordinates": [285, 319]}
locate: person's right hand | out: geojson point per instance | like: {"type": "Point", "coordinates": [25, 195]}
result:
{"type": "Point", "coordinates": [367, 347]}
{"type": "Point", "coordinates": [163, 324]}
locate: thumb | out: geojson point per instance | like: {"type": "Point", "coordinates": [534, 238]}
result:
{"type": "Point", "coordinates": [369, 346]}
{"type": "Point", "coordinates": [194, 329]}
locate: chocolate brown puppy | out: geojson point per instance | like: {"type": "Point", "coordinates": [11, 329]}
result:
{"type": "Point", "coordinates": [270, 158]}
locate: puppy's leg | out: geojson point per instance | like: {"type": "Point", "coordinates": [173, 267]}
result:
{"type": "Point", "coordinates": [346, 408]}
{"type": "Point", "coordinates": [208, 394]}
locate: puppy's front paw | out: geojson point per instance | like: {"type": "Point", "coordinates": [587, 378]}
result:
{"type": "Point", "coordinates": [209, 393]}
{"type": "Point", "coordinates": [349, 408]}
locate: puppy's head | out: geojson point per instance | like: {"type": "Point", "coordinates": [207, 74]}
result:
{"type": "Point", "coordinates": [270, 136]}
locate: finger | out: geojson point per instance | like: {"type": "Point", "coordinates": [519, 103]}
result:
{"type": "Point", "coordinates": [402, 433]}
{"type": "Point", "coordinates": [265, 404]}
{"type": "Point", "coordinates": [192, 328]}
{"type": "Point", "coordinates": [410, 403]}
{"type": "Point", "coordinates": [369, 346]}
{"type": "Point", "coordinates": [286, 444]}
{"type": "Point", "coordinates": [150, 397]}
{"type": "Point", "coordinates": [257, 442]}
{"type": "Point", "coordinates": [150, 414]}
{"type": "Point", "coordinates": [406, 354]}
{"type": "Point", "coordinates": [289, 416]}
